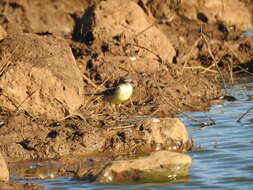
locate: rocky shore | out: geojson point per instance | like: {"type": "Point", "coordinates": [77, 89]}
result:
{"type": "Point", "coordinates": [55, 55]}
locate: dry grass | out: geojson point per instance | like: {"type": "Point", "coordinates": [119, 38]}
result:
{"type": "Point", "coordinates": [5, 63]}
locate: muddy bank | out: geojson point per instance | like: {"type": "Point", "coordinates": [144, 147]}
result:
{"type": "Point", "coordinates": [52, 62]}
{"type": "Point", "coordinates": [28, 141]}
{"type": "Point", "coordinates": [17, 186]}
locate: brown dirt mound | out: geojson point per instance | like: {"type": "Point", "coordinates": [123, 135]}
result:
{"type": "Point", "coordinates": [229, 12]}
{"type": "Point", "coordinates": [120, 28]}
{"type": "Point", "coordinates": [40, 16]}
{"type": "Point", "coordinates": [39, 75]}
{"type": "Point", "coordinates": [25, 139]}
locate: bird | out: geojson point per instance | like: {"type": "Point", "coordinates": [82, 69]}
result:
{"type": "Point", "coordinates": [119, 94]}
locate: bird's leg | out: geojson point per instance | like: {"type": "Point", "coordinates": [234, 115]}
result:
{"type": "Point", "coordinates": [119, 105]}
{"type": "Point", "coordinates": [132, 105]}
{"type": "Point", "coordinates": [114, 108]}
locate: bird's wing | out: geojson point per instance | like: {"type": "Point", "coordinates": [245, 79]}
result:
{"type": "Point", "coordinates": [107, 92]}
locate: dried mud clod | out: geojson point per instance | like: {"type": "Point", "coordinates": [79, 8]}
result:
{"type": "Point", "coordinates": [121, 34]}
{"type": "Point", "coordinates": [39, 75]}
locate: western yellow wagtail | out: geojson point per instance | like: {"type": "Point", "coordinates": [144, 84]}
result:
{"type": "Point", "coordinates": [120, 93]}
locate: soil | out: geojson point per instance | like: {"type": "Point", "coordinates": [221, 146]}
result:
{"type": "Point", "coordinates": [178, 57]}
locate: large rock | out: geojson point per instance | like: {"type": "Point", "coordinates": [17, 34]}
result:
{"type": "Point", "coordinates": [4, 172]}
{"type": "Point", "coordinates": [39, 74]}
{"type": "Point", "coordinates": [165, 132]}
{"type": "Point", "coordinates": [230, 12]}
{"type": "Point", "coordinates": [158, 166]}
{"type": "Point", "coordinates": [149, 135]}
{"type": "Point", "coordinates": [41, 16]}
{"type": "Point", "coordinates": [119, 21]}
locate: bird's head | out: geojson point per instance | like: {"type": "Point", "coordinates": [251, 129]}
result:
{"type": "Point", "coordinates": [125, 80]}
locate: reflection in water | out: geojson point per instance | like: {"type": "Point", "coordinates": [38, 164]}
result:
{"type": "Point", "coordinates": [224, 162]}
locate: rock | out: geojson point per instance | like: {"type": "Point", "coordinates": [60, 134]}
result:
{"type": "Point", "coordinates": [111, 22]}
{"type": "Point", "coordinates": [164, 132]}
{"type": "Point", "coordinates": [41, 17]}
{"type": "Point", "coordinates": [149, 135]}
{"type": "Point", "coordinates": [39, 74]}
{"type": "Point", "coordinates": [3, 33]}
{"type": "Point", "coordinates": [4, 172]}
{"type": "Point", "coordinates": [158, 166]}
{"type": "Point", "coordinates": [56, 16]}
{"type": "Point", "coordinates": [230, 12]}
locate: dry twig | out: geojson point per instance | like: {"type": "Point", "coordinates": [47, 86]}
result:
{"type": "Point", "coordinates": [244, 114]}
{"type": "Point", "coordinates": [215, 61]}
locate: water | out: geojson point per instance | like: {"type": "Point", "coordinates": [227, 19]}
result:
{"type": "Point", "coordinates": [247, 33]}
{"type": "Point", "coordinates": [225, 161]}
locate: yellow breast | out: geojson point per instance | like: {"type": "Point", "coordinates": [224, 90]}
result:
{"type": "Point", "coordinates": [122, 93]}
